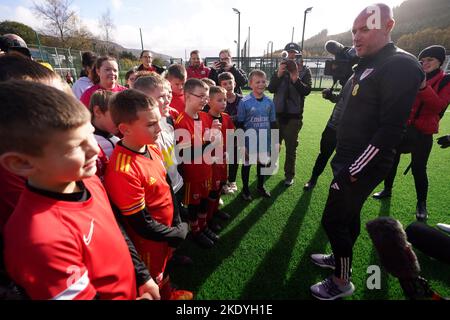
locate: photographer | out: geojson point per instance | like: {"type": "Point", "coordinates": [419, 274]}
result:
{"type": "Point", "coordinates": [290, 84]}
{"type": "Point", "coordinates": [429, 107]}
{"type": "Point", "coordinates": [345, 58]}
{"type": "Point", "coordinates": [225, 65]}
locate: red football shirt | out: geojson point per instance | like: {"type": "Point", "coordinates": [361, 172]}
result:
{"type": "Point", "coordinates": [68, 250]}
{"type": "Point", "coordinates": [86, 96]}
{"type": "Point", "coordinates": [135, 182]}
{"type": "Point", "coordinates": [227, 124]}
{"type": "Point", "coordinates": [193, 172]}
{"type": "Point", "coordinates": [220, 172]}
{"type": "Point", "coordinates": [177, 102]}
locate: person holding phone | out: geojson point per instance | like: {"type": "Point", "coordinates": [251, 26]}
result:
{"type": "Point", "coordinates": [224, 64]}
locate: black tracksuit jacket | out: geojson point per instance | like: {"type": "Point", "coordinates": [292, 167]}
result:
{"type": "Point", "coordinates": [384, 87]}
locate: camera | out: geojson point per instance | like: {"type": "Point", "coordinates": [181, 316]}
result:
{"type": "Point", "coordinates": [344, 59]}
{"type": "Point", "coordinates": [291, 65]}
{"type": "Point", "coordinates": [220, 64]}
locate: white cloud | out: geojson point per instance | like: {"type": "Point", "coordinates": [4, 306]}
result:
{"type": "Point", "coordinates": [116, 4]}
{"type": "Point", "coordinates": [173, 26]}
{"type": "Point", "coordinates": [26, 16]}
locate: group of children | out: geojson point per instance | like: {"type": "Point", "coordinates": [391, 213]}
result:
{"type": "Point", "coordinates": [108, 192]}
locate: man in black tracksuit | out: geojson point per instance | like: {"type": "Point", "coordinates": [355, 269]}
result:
{"type": "Point", "coordinates": [384, 86]}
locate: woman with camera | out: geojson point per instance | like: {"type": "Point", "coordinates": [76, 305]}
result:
{"type": "Point", "coordinates": [428, 108]}
{"type": "Point", "coordinates": [225, 65]}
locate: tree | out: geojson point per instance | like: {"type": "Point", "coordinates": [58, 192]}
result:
{"type": "Point", "coordinates": [61, 20]}
{"type": "Point", "coordinates": [24, 31]}
{"type": "Point", "coordinates": [107, 26]}
{"type": "Point", "coordinates": [81, 39]}
{"type": "Point", "coordinates": [127, 55]}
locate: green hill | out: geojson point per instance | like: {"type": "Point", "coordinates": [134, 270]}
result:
{"type": "Point", "coordinates": [419, 24]}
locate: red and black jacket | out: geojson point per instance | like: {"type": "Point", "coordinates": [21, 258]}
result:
{"type": "Point", "coordinates": [431, 103]}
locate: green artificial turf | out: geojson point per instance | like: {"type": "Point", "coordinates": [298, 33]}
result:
{"type": "Point", "coordinates": [264, 249]}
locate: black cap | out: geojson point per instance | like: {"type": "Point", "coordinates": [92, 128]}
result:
{"type": "Point", "coordinates": [12, 44]}
{"type": "Point", "coordinates": [436, 51]}
{"type": "Point", "coordinates": [292, 46]}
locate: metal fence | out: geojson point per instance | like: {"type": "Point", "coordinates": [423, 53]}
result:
{"type": "Point", "coordinates": [65, 60]}
{"type": "Point", "coordinates": [269, 66]}
{"type": "Point", "coordinates": [62, 60]}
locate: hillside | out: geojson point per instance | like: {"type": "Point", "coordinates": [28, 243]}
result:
{"type": "Point", "coordinates": [83, 42]}
{"type": "Point", "coordinates": [413, 18]}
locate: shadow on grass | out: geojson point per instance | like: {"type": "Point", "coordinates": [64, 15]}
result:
{"type": "Point", "coordinates": [268, 280]}
{"type": "Point", "coordinates": [305, 275]}
{"type": "Point", "coordinates": [207, 261]}
{"type": "Point", "coordinates": [383, 293]}
{"type": "Point", "coordinates": [433, 270]}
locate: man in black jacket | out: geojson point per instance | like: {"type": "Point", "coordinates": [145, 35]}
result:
{"type": "Point", "coordinates": [225, 65]}
{"type": "Point", "coordinates": [384, 86]}
{"type": "Point", "coordinates": [290, 84]}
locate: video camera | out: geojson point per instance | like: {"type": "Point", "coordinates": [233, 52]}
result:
{"type": "Point", "coordinates": [341, 67]}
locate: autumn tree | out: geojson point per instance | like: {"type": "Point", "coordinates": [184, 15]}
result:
{"type": "Point", "coordinates": [61, 20]}
{"type": "Point", "coordinates": [107, 27]}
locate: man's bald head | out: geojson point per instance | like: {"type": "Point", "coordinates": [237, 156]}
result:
{"type": "Point", "coordinates": [384, 12]}
{"type": "Point", "coordinates": [372, 29]}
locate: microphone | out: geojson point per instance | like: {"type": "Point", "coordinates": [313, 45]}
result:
{"type": "Point", "coordinates": [398, 258]}
{"type": "Point", "coordinates": [334, 47]}
{"type": "Point", "coordinates": [393, 249]}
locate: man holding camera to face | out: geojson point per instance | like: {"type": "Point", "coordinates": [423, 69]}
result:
{"type": "Point", "coordinates": [290, 85]}
{"type": "Point", "coordinates": [225, 65]}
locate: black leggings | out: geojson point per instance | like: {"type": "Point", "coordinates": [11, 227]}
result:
{"type": "Point", "coordinates": [419, 160]}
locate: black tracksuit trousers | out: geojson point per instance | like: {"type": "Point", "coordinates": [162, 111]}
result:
{"type": "Point", "coordinates": [341, 217]}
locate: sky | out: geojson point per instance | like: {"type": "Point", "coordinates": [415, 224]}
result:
{"type": "Point", "coordinates": [176, 27]}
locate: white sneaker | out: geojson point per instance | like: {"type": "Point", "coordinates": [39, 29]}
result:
{"type": "Point", "coordinates": [328, 290]}
{"type": "Point", "coordinates": [226, 190]}
{"type": "Point", "coordinates": [444, 227]}
{"type": "Point", "coordinates": [323, 260]}
{"type": "Point", "coordinates": [232, 186]}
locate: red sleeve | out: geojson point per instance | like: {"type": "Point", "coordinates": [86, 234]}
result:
{"type": "Point", "coordinates": [52, 269]}
{"type": "Point", "coordinates": [124, 188]}
{"type": "Point", "coordinates": [86, 97]}
{"type": "Point", "coordinates": [183, 141]}
{"type": "Point", "coordinates": [433, 101]}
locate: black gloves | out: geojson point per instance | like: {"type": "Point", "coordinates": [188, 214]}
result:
{"type": "Point", "coordinates": [444, 141]}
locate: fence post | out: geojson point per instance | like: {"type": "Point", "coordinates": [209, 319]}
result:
{"type": "Point", "coordinates": [57, 59]}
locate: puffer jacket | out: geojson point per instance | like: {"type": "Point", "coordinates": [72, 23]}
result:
{"type": "Point", "coordinates": [434, 102]}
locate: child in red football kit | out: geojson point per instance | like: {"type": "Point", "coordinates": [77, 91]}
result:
{"type": "Point", "coordinates": [136, 181]}
{"type": "Point", "coordinates": [217, 105]}
{"type": "Point", "coordinates": [197, 174]}
{"type": "Point", "coordinates": [176, 75]}
{"type": "Point", "coordinates": [62, 241]}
